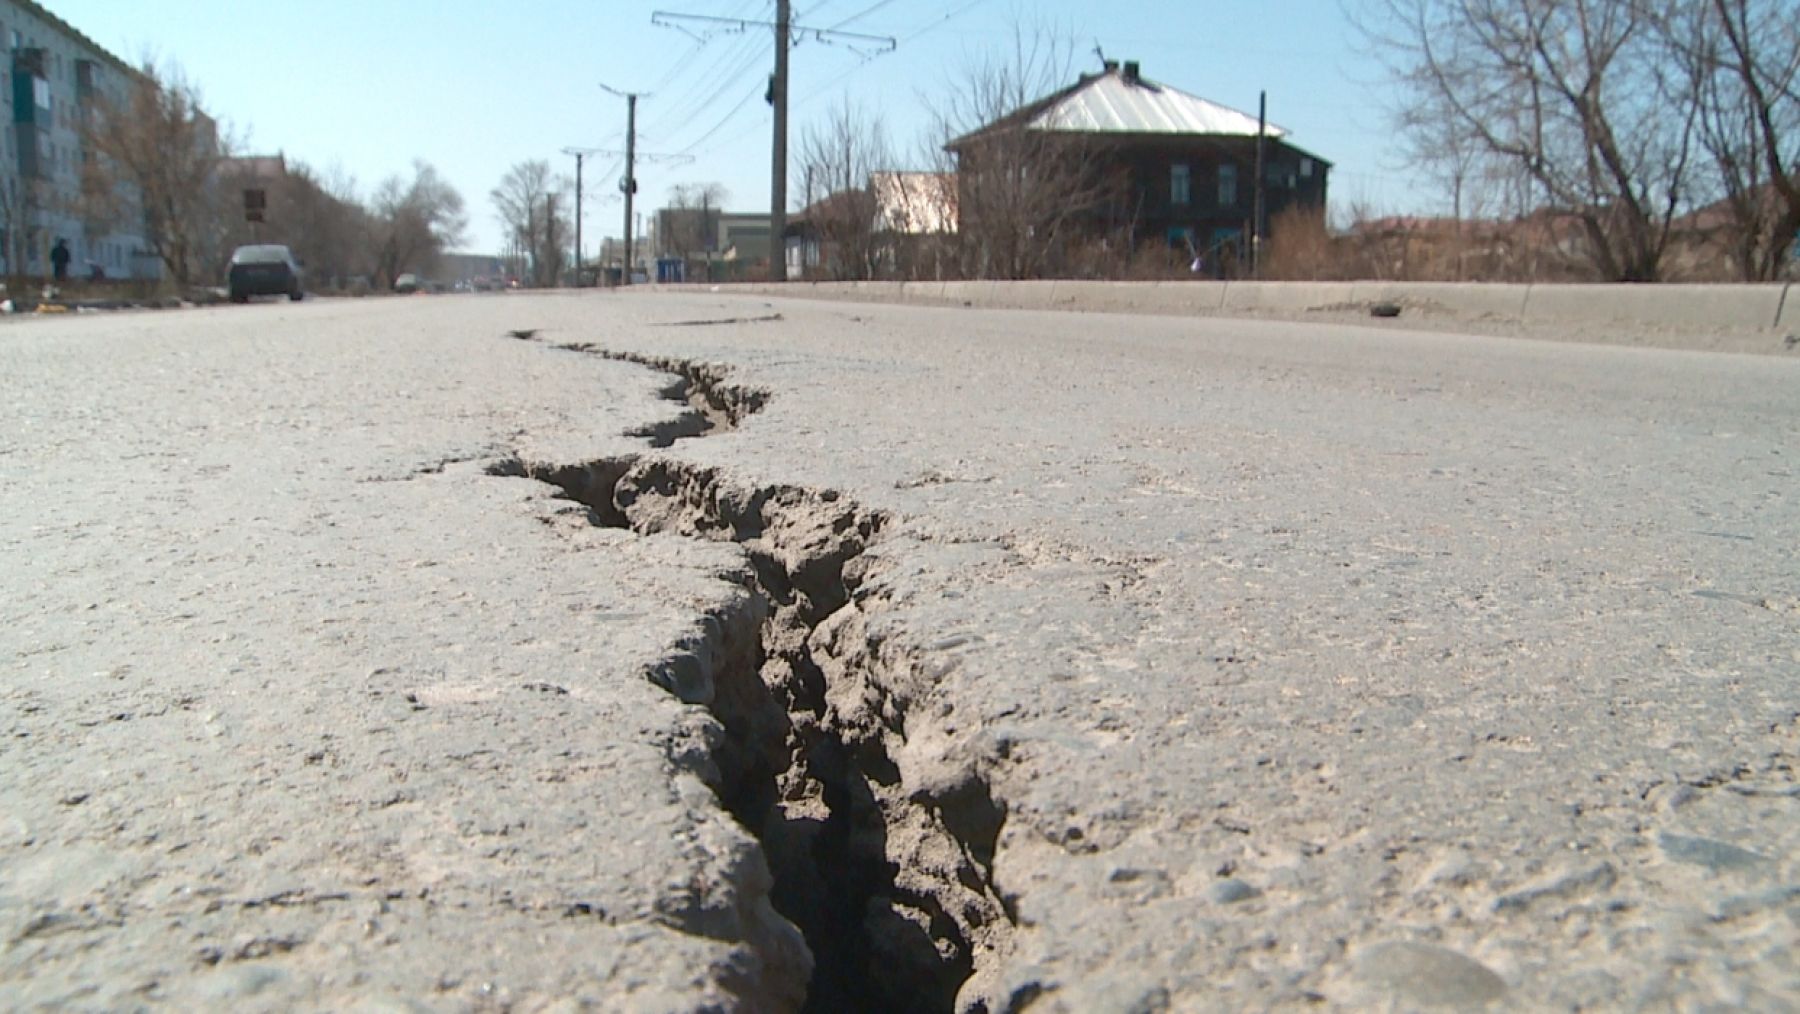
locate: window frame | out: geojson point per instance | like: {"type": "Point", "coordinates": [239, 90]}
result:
{"type": "Point", "coordinates": [1227, 179]}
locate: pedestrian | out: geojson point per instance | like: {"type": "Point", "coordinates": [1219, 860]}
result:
{"type": "Point", "coordinates": [59, 259]}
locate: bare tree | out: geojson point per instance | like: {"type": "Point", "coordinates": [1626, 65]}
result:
{"type": "Point", "coordinates": [331, 228]}
{"type": "Point", "coordinates": [156, 141]}
{"type": "Point", "coordinates": [413, 222]}
{"type": "Point", "coordinates": [318, 216]}
{"type": "Point", "coordinates": [532, 204]}
{"type": "Point", "coordinates": [1738, 61]}
{"type": "Point", "coordinates": [689, 225]}
{"type": "Point", "coordinates": [842, 209]}
{"type": "Point", "coordinates": [1437, 143]}
{"type": "Point", "coordinates": [1573, 93]}
{"type": "Point", "coordinates": [1024, 193]}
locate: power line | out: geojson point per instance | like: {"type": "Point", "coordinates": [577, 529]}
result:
{"type": "Point", "coordinates": [785, 30]}
{"type": "Point", "coordinates": [712, 90]}
{"type": "Point", "coordinates": [722, 121]}
{"type": "Point", "coordinates": [865, 12]}
{"type": "Point", "coordinates": [950, 14]}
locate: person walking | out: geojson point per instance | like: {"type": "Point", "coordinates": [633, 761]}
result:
{"type": "Point", "coordinates": [59, 259]}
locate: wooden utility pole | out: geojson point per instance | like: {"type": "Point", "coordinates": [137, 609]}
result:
{"type": "Point", "coordinates": [580, 154]}
{"type": "Point", "coordinates": [785, 29]}
{"type": "Point", "coordinates": [578, 158]}
{"type": "Point", "coordinates": [1256, 211]}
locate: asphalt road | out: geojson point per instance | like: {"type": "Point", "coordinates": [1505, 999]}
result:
{"type": "Point", "coordinates": [988, 659]}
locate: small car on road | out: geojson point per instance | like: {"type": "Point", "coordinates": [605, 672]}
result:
{"type": "Point", "coordinates": [263, 269]}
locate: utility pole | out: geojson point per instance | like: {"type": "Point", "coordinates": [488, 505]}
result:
{"type": "Point", "coordinates": [580, 154]}
{"type": "Point", "coordinates": [1256, 212]}
{"type": "Point", "coordinates": [628, 183]}
{"type": "Point", "coordinates": [785, 30]}
{"type": "Point", "coordinates": [547, 271]}
{"type": "Point", "coordinates": [778, 96]}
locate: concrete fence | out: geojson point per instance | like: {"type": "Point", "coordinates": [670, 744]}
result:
{"type": "Point", "coordinates": [1774, 306]}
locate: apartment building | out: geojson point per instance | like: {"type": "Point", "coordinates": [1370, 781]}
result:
{"type": "Point", "coordinates": [57, 77]}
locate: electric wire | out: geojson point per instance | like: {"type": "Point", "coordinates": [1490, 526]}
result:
{"type": "Point", "coordinates": [724, 75]}
{"type": "Point", "coordinates": [859, 15]}
{"type": "Point", "coordinates": [951, 13]}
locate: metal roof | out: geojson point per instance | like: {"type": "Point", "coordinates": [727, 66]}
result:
{"type": "Point", "coordinates": [1118, 103]}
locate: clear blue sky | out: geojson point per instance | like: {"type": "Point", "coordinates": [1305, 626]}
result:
{"type": "Point", "coordinates": [473, 86]}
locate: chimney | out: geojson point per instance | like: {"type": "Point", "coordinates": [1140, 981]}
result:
{"type": "Point", "coordinates": [1110, 65]}
{"type": "Point", "coordinates": [1131, 71]}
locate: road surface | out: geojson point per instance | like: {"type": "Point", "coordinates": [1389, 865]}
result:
{"type": "Point", "coordinates": [664, 651]}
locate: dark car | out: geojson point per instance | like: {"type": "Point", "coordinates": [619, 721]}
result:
{"type": "Point", "coordinates": [266, 269]}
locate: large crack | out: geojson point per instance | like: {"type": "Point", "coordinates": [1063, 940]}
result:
{"type": "Point", "coordinates": [714, 402]}
{"type": "Point", "coordinates": [889, 883]}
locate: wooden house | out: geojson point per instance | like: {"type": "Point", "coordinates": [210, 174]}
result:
{"type": "Point", "coordinates": [1141, 163]}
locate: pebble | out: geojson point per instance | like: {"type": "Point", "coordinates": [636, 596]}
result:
{"type": "Point", "coordinates": [1710, 853]}
{"type": "Point", "coordinates": [1598, 877]}
{"type": "Point", "coordinates": [1230, 891]}
{"type": "Point", "coordinates": [1430, 975]}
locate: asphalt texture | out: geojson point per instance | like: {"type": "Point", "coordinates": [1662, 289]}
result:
{"type": "Point", "coordinates": [359, 653]}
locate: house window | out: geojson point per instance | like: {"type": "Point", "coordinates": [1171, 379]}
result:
{"type": "Point", "coordinates": [1306, 168]}
{"type": "Point", "coordinates": [1227, 186]}
{"type": "Point", "coordinates": [1179, 190]}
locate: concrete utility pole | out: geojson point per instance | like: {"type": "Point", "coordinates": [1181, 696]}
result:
{"type": "Point", "coordinates": [628, 183]}
{"type": "Point", "coordinates": [778, 96]}
{"type": "Point", "coordinates": [785, 30]}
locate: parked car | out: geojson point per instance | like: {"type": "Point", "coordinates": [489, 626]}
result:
{"type": "Point", "coordinates": [264, 269]}
{"type": "Point", "coordinates": [408, 282]}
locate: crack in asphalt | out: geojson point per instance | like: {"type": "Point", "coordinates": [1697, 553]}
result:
{"type": "Point", "coordinates": [812, 779]}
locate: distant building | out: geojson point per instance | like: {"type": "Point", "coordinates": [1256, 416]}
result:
{"type": "Point", "coordinates": [58, 76]}
{"type": "Point", "coordinates": [707, 242]}
{"type": "Point", "coordinates": [897, 225]}
{"type": "Point", "coordinates": [914, 203]}
{"type": "Point", "coordinates": [1165, 166]}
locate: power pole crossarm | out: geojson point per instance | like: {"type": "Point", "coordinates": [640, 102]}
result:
{"type": "Point", "coordinates": [670, 19]}
{"type": "Point", "coordinates": [785, 31]}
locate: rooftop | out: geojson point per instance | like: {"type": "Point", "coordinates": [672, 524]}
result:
{"type": "Point", "coordinates": [1120, 100]}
